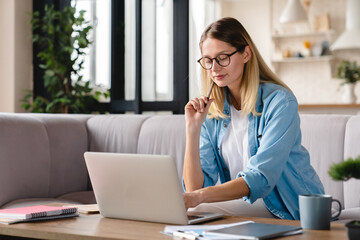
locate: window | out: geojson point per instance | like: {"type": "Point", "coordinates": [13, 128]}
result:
{"type": "Point", "coordinates": [97, 60]}
{"type": "Point", "coordinates": [157, 50]}
{"type": "Point", "coordinates": [134, 44]}
{"type": "Point", "coordinates": [154, 32]}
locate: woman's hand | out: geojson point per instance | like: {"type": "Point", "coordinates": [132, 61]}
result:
{"type": "Point", "coordinates": [192, 199]}
{"type": "Point", "coordinates": [196, 110]}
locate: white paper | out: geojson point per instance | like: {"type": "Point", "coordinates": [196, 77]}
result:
{"type": "Point", "coordinates": [200, 229]}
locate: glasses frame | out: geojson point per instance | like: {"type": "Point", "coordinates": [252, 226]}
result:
{"type": "Point", "coordinates": [216, 60]}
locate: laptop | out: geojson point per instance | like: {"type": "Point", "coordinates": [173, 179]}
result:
{"type": "Point", "coordinates": [140, 187]}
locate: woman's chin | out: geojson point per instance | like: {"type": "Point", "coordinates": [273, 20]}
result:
{"type": "Point", "coordinates": [220, 83]}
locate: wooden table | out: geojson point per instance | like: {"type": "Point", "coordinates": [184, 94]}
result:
{"type": "Point", "coordinates": [351, 109]}
{"type": "Point", "coordinates": [96, 227]}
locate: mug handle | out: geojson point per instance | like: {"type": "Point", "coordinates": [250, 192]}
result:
{"type": "Point", "coordinates": [338, 214]}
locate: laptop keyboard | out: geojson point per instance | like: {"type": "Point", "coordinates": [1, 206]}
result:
{"type": "Point", "coordinates": [192, 217]}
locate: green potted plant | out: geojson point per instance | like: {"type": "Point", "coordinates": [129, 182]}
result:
{"type": "Point", "coordinates": [353, 230]}
{"type": "Point", "coordinates": [63, 39]}
{"type": "Point", "coordinates": [344, 171]}
{"type": "Point", "coordinates": [349, 72]}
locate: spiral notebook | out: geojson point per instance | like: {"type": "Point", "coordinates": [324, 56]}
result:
{"type": "Point", "coordinates": [36, 213]}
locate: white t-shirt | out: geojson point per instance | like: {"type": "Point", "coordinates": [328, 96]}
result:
{"type": "Point", "coordinates": [235, 145]}
{"type": "Point", "coordinates": [235, 149]}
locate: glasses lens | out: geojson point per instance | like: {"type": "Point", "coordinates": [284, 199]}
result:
{"type": "Point", "coordinates": [206, 63]}
{"type": "Point", "coordinates": [223, 60]}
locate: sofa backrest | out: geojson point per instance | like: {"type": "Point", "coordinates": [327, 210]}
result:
{"type": "Point", "coordinates": [323, 136]}
{"type": "Point", "coordinates": [164, 135]}
{"type": "Point", "coordinates": [352, 149]}
{"type": "Point", "coordinates": [115, 133]}
{"type": "Point", "coordinates": [143, 134]}
{"type": "Point", "coordinates": [41, 156]}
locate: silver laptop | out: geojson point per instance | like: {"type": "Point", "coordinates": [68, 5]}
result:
{"type": "Point", "coordinates": [140, 187]}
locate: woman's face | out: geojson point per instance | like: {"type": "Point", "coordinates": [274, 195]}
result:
{"type": "Point", "coordinates": [230, 75]}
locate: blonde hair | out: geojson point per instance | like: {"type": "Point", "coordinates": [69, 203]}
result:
{"type": "Point", "coordinates": [231, 31]}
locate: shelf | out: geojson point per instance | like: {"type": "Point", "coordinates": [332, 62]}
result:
{"type": "Point", "coordinates": [304, 59]}
{"type": "Point", "coordinates": [297, 35]}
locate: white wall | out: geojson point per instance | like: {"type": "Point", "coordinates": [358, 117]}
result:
{"type": "Point", "coordinates": [312, 83]}
{"type": "Point", "coordinates": [7, 64]}
{"type": "Point", "coordinates": [16, 53]}
{"type": "Point", "coordinates": [23, 52]}
{"type": "Point", "coordinates": [254, 15]}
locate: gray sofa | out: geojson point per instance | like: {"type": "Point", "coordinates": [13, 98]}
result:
{"type": "Point", "coordinates": [41, 155]}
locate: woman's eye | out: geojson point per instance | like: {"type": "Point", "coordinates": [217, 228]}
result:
{"type": "Point", "coordinates": [222, 57]}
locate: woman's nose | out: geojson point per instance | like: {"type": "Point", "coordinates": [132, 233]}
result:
{"type": "Point", "coordinates": [215, 65]}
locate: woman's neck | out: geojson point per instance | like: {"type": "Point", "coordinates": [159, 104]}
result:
{"type": "Point", "coordinates": [235, 97]}
{"type": "Point", "coordinates": [235, 101]}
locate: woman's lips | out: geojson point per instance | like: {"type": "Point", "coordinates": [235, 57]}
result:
{"type": "Point", "coordinates": [219, 77]}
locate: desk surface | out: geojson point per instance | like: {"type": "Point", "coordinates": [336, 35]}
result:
{"type": "Point", "coordinates": [309, 106]}
{"type": "Point", "coordinates": [97, 227]}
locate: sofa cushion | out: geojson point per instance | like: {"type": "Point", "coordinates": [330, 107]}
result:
{"type": "Point", "coordinates": [164, 135]}
{"type": "Point", "coordinates": [114, 133]}
{"type": "Point", "coordinates": [323, 136]}
{"type": "Point", "coordinates": [24, 157]}
{"type": "Point", "coordinates": [350, 214]}
{"type": "Point", "coordinates": [26, 202]}
{"type": "Point", "coordinates": [352, 149]}
{"type": "Point", "coordinates": [83, 197]}
{"type": "Point", "coordinates": [68, 140]}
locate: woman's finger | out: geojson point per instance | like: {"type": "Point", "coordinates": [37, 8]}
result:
{"type": "Point", "coordinates": [199, 104]}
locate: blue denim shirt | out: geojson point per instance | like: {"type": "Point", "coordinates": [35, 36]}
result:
{"type": "Point", "coordinates": [279, 166]}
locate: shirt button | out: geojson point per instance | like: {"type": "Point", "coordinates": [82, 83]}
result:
{"type": "Point", "coordinates": [224, 124]}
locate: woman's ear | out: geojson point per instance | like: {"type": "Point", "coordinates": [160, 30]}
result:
{"type": "Point", "coordinates": [247, 54]}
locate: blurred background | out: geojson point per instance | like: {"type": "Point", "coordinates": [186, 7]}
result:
{"type": "Point", "coordinates": [144, 52]}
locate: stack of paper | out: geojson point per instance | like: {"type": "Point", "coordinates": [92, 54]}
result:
{"type": "Point", "coordinates": [199, 231]}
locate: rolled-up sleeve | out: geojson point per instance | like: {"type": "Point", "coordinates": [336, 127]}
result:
{"type": "Point", "coordinates": [278, 135]}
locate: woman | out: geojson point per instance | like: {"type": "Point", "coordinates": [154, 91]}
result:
{"type": "Point", "coordinates": [247, 133]}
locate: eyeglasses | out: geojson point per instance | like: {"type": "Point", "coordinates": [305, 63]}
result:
{"type": "Point", "coordinates": [222, 59]}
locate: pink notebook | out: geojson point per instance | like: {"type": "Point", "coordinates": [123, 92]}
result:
{"type": "Point", "coordinates": [36, 212]}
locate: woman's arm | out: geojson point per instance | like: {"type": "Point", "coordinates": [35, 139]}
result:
{"type": "Point", "coordinates": [195, 114]}
{"type": "Point", "coordinates": [192, 173]}
{"type": "Point", "coordinates": [231, 190]}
